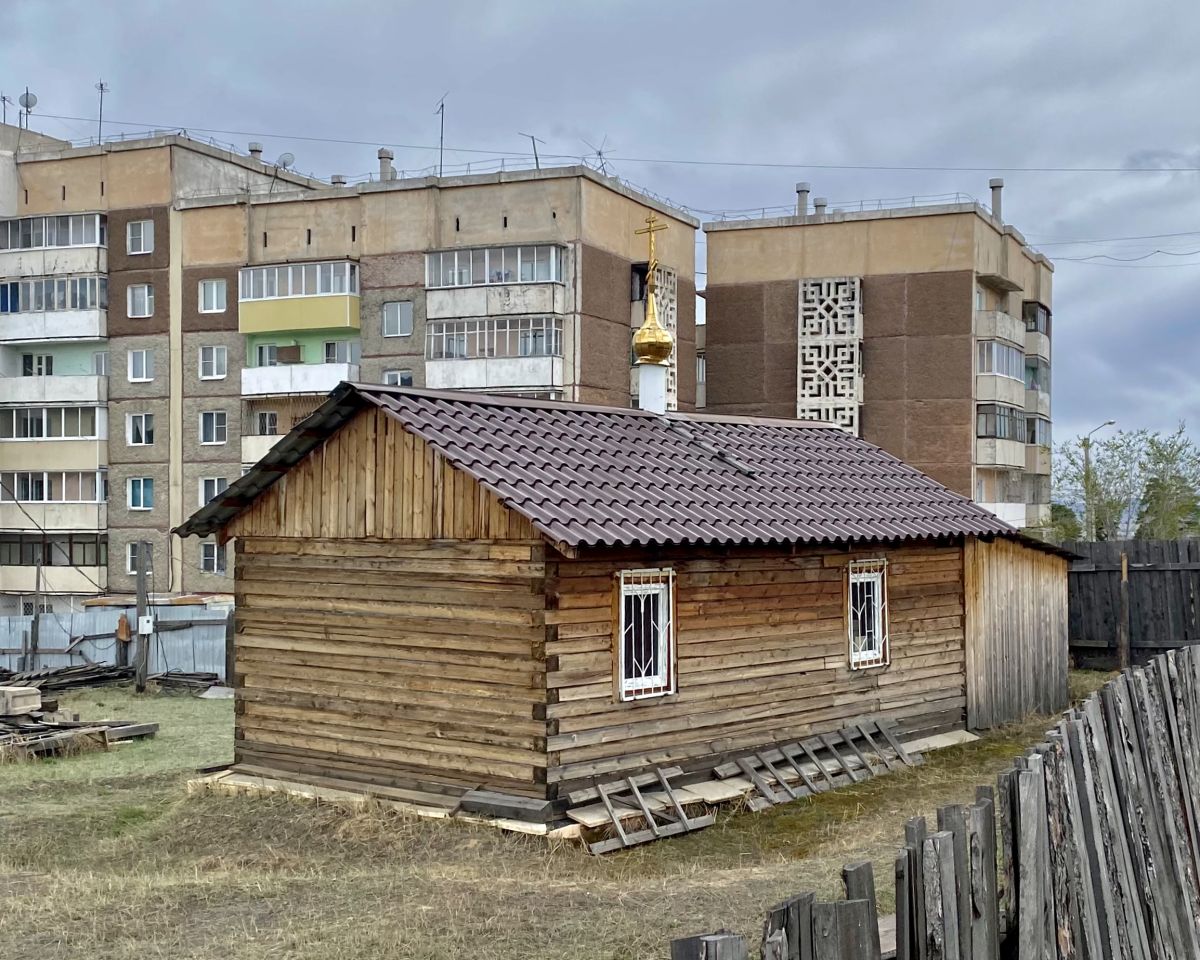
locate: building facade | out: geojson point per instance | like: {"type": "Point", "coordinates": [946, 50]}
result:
{"type": "Point", "coordinates": [169, 309]}
{"type": "Point", "coordinates": [925, 330]}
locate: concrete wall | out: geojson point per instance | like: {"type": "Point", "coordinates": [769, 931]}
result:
{"type": "Point", "coordinates": [383, 278]}
{"type": "Point", "coordinates": [71, 184]}
{"type": "Point", "coordinates": [751, 345]}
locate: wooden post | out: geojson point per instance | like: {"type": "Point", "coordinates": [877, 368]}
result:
{"type": "Point", "coordinates": [905, 948]}
{"type": "Point", "coordinates": [953, 819]}
{"type": "Point", "coordinates": [784, 918]}
{"type": "Point", "coordinates": [859, 881]}
{"type": "Point", "coordinates": [230, 656]}
{"type": "Point", "coordinates": [914, 843]}
{"type": "Point", "coordinates": [981, 830]}
{"type": "Point", "coordinates": [710, 946]}
{"type": "Point", "coordinates": [841, 931]}
{"type": "Point", "coordinates": [1123, 616]}
{"type": "Point", "coordinates": [35, 627]}
{"type": "Point", "coordinates": [941, 898]}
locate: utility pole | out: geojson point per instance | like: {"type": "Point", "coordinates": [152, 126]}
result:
{"type": "Point", "coordinates": [1089, 510]}
{"type": "Point", "coordinates": [31, 661]}
{"type": "Point", "coordinates": [143, 649]}
{"type": "Point", "coordinates": [534, 141]}
{"type": "Point", "coordinates": [102, 87]}
{"type": "Point", "coordinates": [441, 111]}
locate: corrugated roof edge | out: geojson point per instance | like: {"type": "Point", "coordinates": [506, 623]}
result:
{"type": "Point", "coordinates": [348, 398]}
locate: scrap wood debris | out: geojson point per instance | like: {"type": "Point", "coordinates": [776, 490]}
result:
{"type": "Point", "coordinates": [31, 727]}
{"type": "Point", "coordinates": [54, 679]}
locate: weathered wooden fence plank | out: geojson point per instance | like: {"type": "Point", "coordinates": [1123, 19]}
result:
{"type": "Point", "coordinates": [941, 899]}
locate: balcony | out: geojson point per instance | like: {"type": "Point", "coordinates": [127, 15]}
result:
{"type": "Point", "coordinates": [999, 453]}
{"type": "Point", "coordinates": [53, 325]}
{"type": "Point", "coordinates": [54, 454]}
{"type": "Point", "coordinates": [495, 373]}
{"type": "Point", "coordinates": [998, 325]}
{"type": "Point", "coordinates": [1037, 401]}
{"type": "Point", "coordinates": [255, 448]}
{"type": "Point", "coordinates": [1037, 344]}
{"type": "Point", "coordinates": [1037, 459]}
{"type": "Point", "coordinates": [1013, 514]}
{"type": "Point", "coordinates": [64, 517]}
{"type": "Point", "coordinates": [323, 312]}
{"type": "Point", "coordinates": [55, 579]}
{"type": "Point", "coordinates": [90, 390]}
{"type": "Point", "coordinates": [53, 261]}
{"type": "Point", "coordinates": [999, 389]}
{"type": "Point", "coordinates": [503, 300]}
{"type": "Point", "coordinates": [288, 378]}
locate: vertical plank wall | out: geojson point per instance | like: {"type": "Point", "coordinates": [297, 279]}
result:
{"type": "Point", "coordinates": [1016, 630]}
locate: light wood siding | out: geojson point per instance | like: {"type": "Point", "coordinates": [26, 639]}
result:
{"type": "Point", "coordinates": [374, 479]}
{"type": "Point", "coordinates": [1016, 602]}
{"type": "Point", "coordinates": [402, 662]}
{"type": "Point", "coordinates": [763, 655]}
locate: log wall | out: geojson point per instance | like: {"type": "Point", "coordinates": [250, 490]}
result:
{"type": "Point", "coordinates": [763, 655]}
{"type": "Point", "coordinates": [1016, 600]}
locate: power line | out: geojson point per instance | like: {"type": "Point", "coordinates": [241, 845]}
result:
{"type": "Point", "coordinates": [1148, 236]}
{"type": "Point", "coordinates": [1144, 256]}
{"type": "Point", "coordinates": [45, 533]}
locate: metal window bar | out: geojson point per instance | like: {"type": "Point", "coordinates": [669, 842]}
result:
{"type": "Point", "coordinates": [647, 633]}
{"type": "Point", "coordinates": [867, 619]}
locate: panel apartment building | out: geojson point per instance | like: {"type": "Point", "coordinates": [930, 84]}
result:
{"type": "Point", "coordinates": [924, 329]}
{"type": "Point", "coordinates": [172, 309]}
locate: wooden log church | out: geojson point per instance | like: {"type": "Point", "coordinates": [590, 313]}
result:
{"type": "Point", "coordinates": [444, 592]}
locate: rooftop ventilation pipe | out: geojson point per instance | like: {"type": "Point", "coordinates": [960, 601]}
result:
{"type": "Point", "coordinates": [819, 206]}
{"type": "Point", "coordinates": [256, 151]}
{"type": "Point", "coordinates": [385, 164]}
{"type": "Point", "coordinates": [997, 185]}
{"type": "Point", "coordinates": [802, 191]}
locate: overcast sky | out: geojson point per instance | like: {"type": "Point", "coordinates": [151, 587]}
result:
{"type": "Point", "coordinates": [873, 83]}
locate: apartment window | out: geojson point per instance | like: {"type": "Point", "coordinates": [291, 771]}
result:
{"type": "Point", "coordinates": [139, 429]}
{"type": "Point", "coordinates": [298, 280]}
{"type": "Point", "coordinates": [1037, 431]}
{"type": "Point", "coordinates": [212, 296]}
{"type": "Point", "coordinates": [56, 423]}
{"type": "Point", "coordinates": [213, 363]}
{"type": "Point", "coordinates": [1037, 374]}
{"type": "Point", "coordinates": [213, 427]}
{"type": "Point", "coordinates": [132, 557]}
{"type": "Point", "coordinates": [342, 351]}
{"type": "Point", "coordinates": [398, 318]}
{"type": "Point", "coordinates": [49, 294]}
{"type": "Point", "coordinates": [54, 486]}
{"type": "Point", "coordinates": [1001, 359]}
{"type": "Point", "coordinates": [646, 633]}
{"type": "Point", "coordinates": [267, 423]}
{"type": "Point", "coordinates": [29, 233]}
{"type": "Point", "coordinates": [212, 557]}
{"type": "Point", "coordinates": [1037, 317]}
{"type": "Point", "coordinates": [980, 299]}
{"type": "Point", "coordinates": [999, 421]}
{"type": "Point", "coordinates": [100, 363]}
{"type": "Point", "coordinates": [139, 236]}
{"type": "Point", "coordinates": [140, 300]}
{"type": "Point", "coordinates": [701, 368]}
{"type": "Point", "coordinates": [141, 366]}
{"type": "Point", "coordinates": [465, 268]}
{"type": "Point", "coordinates": [494, 337]}
{"type": "Point", "coordinates": [398, 378]}
{"type": "Point", "coordinates": [37, 365]}
{"type": "Point", "coordinates": [141, 493]}
{"type": "Point", "coordinates": [867, 614]}
{"type": "Point", "coordinates": [266, 354]}
{"type": "Point", "coordinates": [212, 487]}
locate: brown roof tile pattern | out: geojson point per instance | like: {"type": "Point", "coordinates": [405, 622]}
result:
{"type": "Point", "coordinates": [587, 475]}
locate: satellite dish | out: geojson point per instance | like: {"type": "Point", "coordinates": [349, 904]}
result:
{"type": "Point", "coordinates": [285, 160]}
{"type": "Point", "coordinates": [27, 101]}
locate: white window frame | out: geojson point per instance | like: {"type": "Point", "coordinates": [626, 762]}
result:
{"type": "Point", "coordinates": [391, 378]}
{"type": "Point", "coordinates": [145, 238]}
{"type": "Point", "coordinates": [216, 284]}
{"type": "Point", "coordinates": [219, 485]}
{"type": "Point", "coordinates": [270, 417]}
{"type": "Point", "coordinates": [268, 350]}
{"type": "Point", "coordinates": [129, 418]}
{"type": "Point", "coordinates": [658, 582]}
{"type": "Point", "coordinates": [866, 653]}
{"type": "Point", "coordinates": [218, 351]}
{"type": "Point", "coordinates": [100, 363]}
{"type": "Point", "coordinates": [130, 563]}
{"type": "Point", "coordinates": [212, 557]}
{"type": "Point", "coordinates": [147, 366]}
{"type": "Point", "coordinates": [331, 278]}
{"type": "Point", "coordinates": [223, 431]}
{"type": "Point", "coordinates": [140, 483]}
{"type": "Point", "coordinates": [149, 288]}
{"type": "Point", "coordinates": [397, 318]}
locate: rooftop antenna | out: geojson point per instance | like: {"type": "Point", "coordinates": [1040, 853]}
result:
{"type": "Point", "coordinates": [601, 163]}
{"type": "Point", "coordinates": [285, 160]}
{"type": "Point", "coordinates": [441, 112]}
{"type": "Point", "coordinates": [5, 100]}
{"type": "Point", "coordinates": [102, 89]}
{"type": "Point", "coordinates": [27, 101]}
{"type": "Point", "coordinates": [534, 141]}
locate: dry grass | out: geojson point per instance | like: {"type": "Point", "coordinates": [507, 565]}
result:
{"type": "Point", "coordinates": [104, 857]}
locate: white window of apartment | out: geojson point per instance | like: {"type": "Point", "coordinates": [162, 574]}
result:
{"type": "Point", "coordinates": [297, 280]}
{"type": "Point", "coordinates": [701, 368]}
{"type": "Point", "coordinates": [867, 620]}
{"type": "Point", "coordinates": [493, 265]}
{"type": "Point", "coordinates": [646, 638]}
{"type": "Point", "coordinates": [342, 351]}
{"type": "Point", "coordinates": [141, 366]}
{"type": "Point", "coordinates": [139, 236]}
{"type": "Point", "coordinates": [398, 378]}
{"type": "Point", "coordinates": [212, 557]}
{"type": "Point", "coordinates": [140, 299]}
{"type": "Point", "coordinates": [267, 423]}
{"type": "Point", "coordinates": [1001, 359]}
{"type": "Point", "coordinates": [131, 557]}
{"type": "Point", "coordinates": [211, 487]}
{"type": "Point", "coordinates": [100, 363]}
{"type": "Point", "coordinates": [139, 429]}
{"type": "Point", "coordinates": [398, 318]}
{"type": "Point", "coordinates": [213, 427]}
{"type": "Point", "coordinates": [141, 493]}
{"type": "Point", "coordinates": [212, 296]}
{"type": "Point", "coordinates": [980, 299]}
{"type": "Point", "coordinates": [266, 354]}
{"type": "Point", "coordinates": [37, 364]}
{"type": "Point", "coordinates": [213, 362]}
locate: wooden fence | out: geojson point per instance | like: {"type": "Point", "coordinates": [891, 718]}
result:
{"type": "Point", "coordinates": [1086, 848]}
{"type": "Point", "coordinates": [1138, 595]}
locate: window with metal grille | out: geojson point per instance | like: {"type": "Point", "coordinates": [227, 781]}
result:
{"type": "Point", "coordinates": [867, 621]}
{"type": "Point", "coordinates": [646, 650]}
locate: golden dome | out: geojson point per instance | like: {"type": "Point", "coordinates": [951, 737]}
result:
{"type": "Point", "coordinates": [652, 343]}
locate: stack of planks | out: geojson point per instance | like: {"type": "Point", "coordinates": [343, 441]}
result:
{"type": "Point", "coordinates": [57, 679]}
{"type": "Point", "coordinates": [43, 735]}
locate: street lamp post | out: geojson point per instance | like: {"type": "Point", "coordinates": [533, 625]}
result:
{"type": "Point", "coordinates": [1089, 513]}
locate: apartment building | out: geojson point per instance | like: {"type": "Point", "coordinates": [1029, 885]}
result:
{"type": "Point", "coordinates": [202, 302]}
{"type": "Point", "coordinates": [924, 329]}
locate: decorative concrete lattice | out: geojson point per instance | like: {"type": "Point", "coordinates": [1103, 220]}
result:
{"type": "Point", "coordinates": [666, 301]}
{"type": "Point", "coordinates": [829, 351]}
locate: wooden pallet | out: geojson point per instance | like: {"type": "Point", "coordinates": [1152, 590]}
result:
{"type": "Point", "coordinates": [664, 816]}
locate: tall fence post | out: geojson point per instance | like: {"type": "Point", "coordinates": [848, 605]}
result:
{"type": "Point", "coordinates": [1123, 616]}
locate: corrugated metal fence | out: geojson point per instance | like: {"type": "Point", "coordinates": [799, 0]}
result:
{"type": "Point", "coordinates": [189, 638]}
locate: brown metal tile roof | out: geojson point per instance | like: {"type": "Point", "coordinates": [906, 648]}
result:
{"type": "Point", "coordinates": [599, 475]}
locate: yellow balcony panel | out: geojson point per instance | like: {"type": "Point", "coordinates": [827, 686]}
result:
{"type": "Point", "coordinates": [53, 454]}
{"type": "Point", "coordinates": [327, 312]}
{"type": "Point", "coordinates": [54, 579]}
